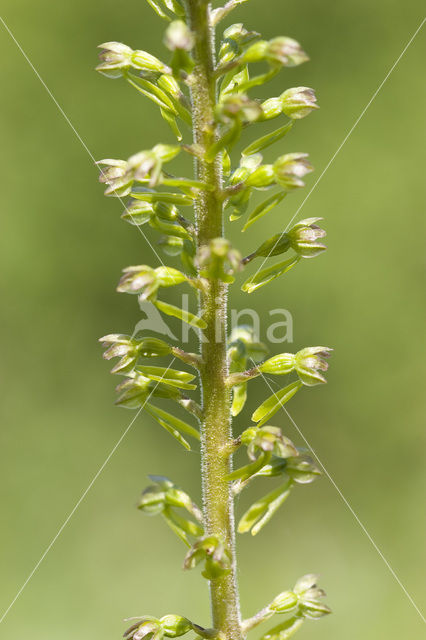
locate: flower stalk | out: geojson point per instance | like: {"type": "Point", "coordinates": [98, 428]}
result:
{"type": "Point", "coordinates": [206, 87]}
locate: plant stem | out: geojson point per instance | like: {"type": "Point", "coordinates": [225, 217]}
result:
{"type": "Point", "coordinates": [216, 425]}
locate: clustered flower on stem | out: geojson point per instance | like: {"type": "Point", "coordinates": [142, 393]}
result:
{"type": "Point", "coordinates": [217, 103]}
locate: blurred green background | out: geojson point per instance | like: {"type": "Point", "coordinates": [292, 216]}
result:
{"type": "Point", "coordinates": [62, 248]}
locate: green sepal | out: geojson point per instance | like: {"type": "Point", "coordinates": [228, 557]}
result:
{"type": "Point", "coordinates": [249, 470]}
{"type": "Point", "coordinates": [263, 208]}
{"type": "Point", "coordinates": [167, 425]}
{"type": "Point", "coordinates": [229, 138]}
{"type": "Point", "coordinates": [158, 10]}
{"type": "Point", "coordinates": [179, 199]}
{"type": "Point", "coordinates": [272, 404]}
{"type": "Point", "coordinates": [176, 312]}
{"type": "Point", "coordinates": [258, 80]}
{"type": "Point", "coordinates": [175, 7]}
{"type": "Point", "coordinates": [169, 277]}
{"type": "Point", "coordinates": [259, 514]}
{"type": "Point", "coordinates": [232, 80]}
{"type": "Point", "coordinates": [175, 423]}
{"type": "Point", "coordinates": [284, 630]}
{"type": "Point", "coordinates": [168, 228]}
{"type": "Point", "coordinates": [169, 376]}
{"type": "Point", "coordinates": [171, 121]}
{"type": "Point", "coordinates": [239, 397]}
{"type": "Point", "coordinates": [185, 184]}
{"type": "Point", "coordinates": [151, 91]}
{"type": "Point", "coordinates": [267, 275]}
{"type": "Point", "coordinates": [180, 526]}
{"type": "Point", "coordinates": [266, 141]}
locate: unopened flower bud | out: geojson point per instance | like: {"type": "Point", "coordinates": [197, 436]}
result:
{"type": "Point", "coordinates": [263, 176]}
{"type": "Point", "coordinates": [291, 168]}
{"type": "Point", "coordinates": [304, 238]}
{"type": "Point", "coordinates": [298, 102]}
{"type": "Point", "coordinates": [285, 51]}
{"type": "Point", "coordinates": [138, 212]}
{"type": "Point", "coordinates": [255, 52]}
{"type": "Point", "coordinates": [271, 108]}
{"type": "Point", "coordinates": [281, 364]}
{"type": "Point", "coordinates": [174, 626]}
{"type": "Point", "coordinates": [309, 362]}
{"type": "Point", "coordinates": [144, 61]}
{"type": "Point", "coordinates": [178, 36]}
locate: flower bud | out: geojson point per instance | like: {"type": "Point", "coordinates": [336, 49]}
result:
{"type": "Point", "coordinates": [115, 175]}
{"type": "Point", "coordinates": [152, 500]}
{"type": "Point", "coordinates": [139, 279]}
{"type": "Point", "coordinates": [284, 602]}
{"type": "Point", "coordinates": [302, 469]}
{"type": "Point", "coordinates": [217, 558]}
{"type": "Point", "coordinates": [114, 57]}
{"type": "Point", "coordinates": [263, 176]}
{"type": "Point", "coordinates": [298, 102]}
{"type": "Point", "coordinates": [290, 169]}
{"type": "Point", "coordinates": [146, 62]}
{"type": "Point", "coordinates": [138, 212]}
{"type": "Point", "coordinates": [267, 439]}
{"type": "Point", "coordinates": [146, 626]}
{"type": "Point", "coordinates": [238, 106]}
{"type": "Point", "coordinates": [304, 238]}
{"type": "Point", "coordinates": [281, 364]}
{"type": "Point", "coordinates": [174, 626]}
{"type": "Point", "coordinates": [271, 108]}
{"type": "Point", "coordinates": [285, 51]}
{"type": "Point", "coordinates": [256, 52]}
{"type": "Point", "coordinates": [236, 37]}
{"type": "Point", "coordinates": [280, 243]}
{"type": "Point", "coordinates": [309, 362]}
{"type": "Point", "coordinates": [178, 36]}
{"type": "Point", "coordinates": [218, 260]}
{"type": "Point", "coordinates": [169, 277]}
{"type": "Point", "coordinates": [135, 390]}
{"type": "Point", "coordinates": [171, 245]}
{"type": "Point", "coordinates": [123, 347]}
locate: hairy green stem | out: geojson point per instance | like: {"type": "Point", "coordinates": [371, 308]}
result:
{"type": "Point", "coordinates": [216, 425]}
